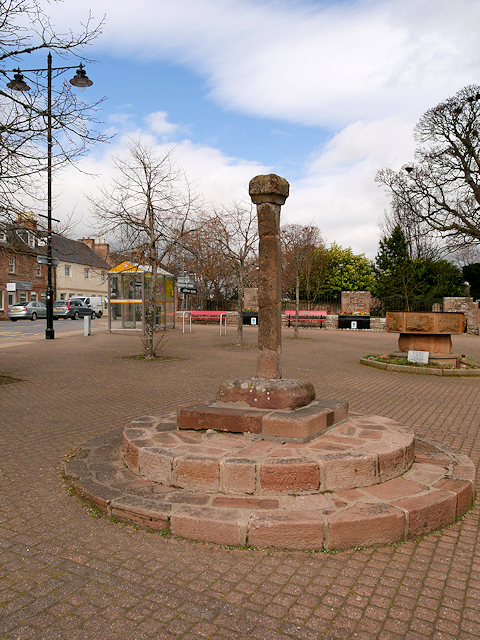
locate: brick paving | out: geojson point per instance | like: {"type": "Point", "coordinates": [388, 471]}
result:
{"type": "Point", "coordinates": [66, 574]}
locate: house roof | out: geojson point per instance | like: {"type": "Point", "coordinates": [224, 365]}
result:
{"type": "Point", "coordinates": [76, 252]}
{"type": "Point", "coordinates": [64, 249]}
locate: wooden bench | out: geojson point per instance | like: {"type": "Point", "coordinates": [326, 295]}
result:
{"type": "Point", "coordinates": [221, 315]}
{"type": "Point", "coordinates": [319, 316]}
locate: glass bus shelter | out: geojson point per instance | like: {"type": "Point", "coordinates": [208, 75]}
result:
{"type": "Point", "coordinates": [128, 286]}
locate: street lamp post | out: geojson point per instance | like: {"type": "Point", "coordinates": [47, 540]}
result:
{"type": "Point", "coordinates": [81, 81]}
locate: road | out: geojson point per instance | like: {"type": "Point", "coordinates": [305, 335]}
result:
{"type": "Point", "coordinates": [26, 331]}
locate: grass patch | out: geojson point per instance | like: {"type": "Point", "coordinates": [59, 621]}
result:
{"type": "Point", "coordinates": [465, 363]}
{"type": "Point", "coordinates": [141, 356]}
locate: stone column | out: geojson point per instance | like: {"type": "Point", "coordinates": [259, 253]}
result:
{"type": "Point", "coordinates": [269, 193]}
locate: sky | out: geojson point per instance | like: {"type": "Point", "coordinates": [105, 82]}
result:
{"type": "Point", "coordinates": [323, 93]}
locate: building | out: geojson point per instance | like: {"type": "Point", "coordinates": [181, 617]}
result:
{"type": "Point", "coordinates": [21, 278]}
{"type": "Point", "coordinates": [81, 269]}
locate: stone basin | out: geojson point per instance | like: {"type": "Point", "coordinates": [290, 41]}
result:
{"type": "Point", "coordinates": [425, 331]}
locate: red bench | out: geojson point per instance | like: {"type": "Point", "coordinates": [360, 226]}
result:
{"type": "Point", "coordinates": [319, 316]}
{"type": "Point", "coordinates": [205, 314]}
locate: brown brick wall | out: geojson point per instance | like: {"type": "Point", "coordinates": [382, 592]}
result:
{"type": "Point", "coordinates": [25, 270]}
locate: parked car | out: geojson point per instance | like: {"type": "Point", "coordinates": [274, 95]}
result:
{"type": "Point", "coordinates": [73, 309]}
{"type": "Point", "coordinates": [94, 302]}
{"type": "Point", "coordinates": [27, 311]}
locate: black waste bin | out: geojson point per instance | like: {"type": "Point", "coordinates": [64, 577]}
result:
{"type": "Point", "coordinates": [250, 317]}
{"type": "Point", "coordinates": [359, 322]}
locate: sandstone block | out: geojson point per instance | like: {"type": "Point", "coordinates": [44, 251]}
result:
{"type": "Point", "coordinates": [365, 525]}
{"type": "Point", "coordinates": [234, 502]}
{"type": "Point", "coordinates": [142, 512]}
{"type": "Point", "coordinates": [464, 472]}
{"type": "Point", "coordinates": [130, 451]}
{"type": "Point", "coordinates": [267, 394]}
{"type": "Point", "coordinates": [425, 342]}
{"type": "Point", "coordinates": [305, 422]}
{"type": "Point", "coordinates": [221, 526]}
{"type": "Point", "coordinates": [286, 530]}
{"type": "Point", "coordinates": [196, 473]}
{"type": "Point", "coordinates": [429, 512]}
{"type": "Point", "coordinates": [289, 475]}
{"type": "Point", "coordinates": [391, 460]}
{"type": "Point", "coordinates": [238, 476]}
{"type": "Point", "coordinates": [396, 488]}
{"type": "Point", "coordinates": [268, 188]}
{"type": "Point", "coordinates": [204, 416]}
{"type": "Point", "coordinates": [347, 471]}
{"type": "Point", "coordinates": [463, 490]}
{"type": "Point", "coordinates": [155, 466]}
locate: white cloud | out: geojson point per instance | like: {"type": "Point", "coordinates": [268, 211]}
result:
{"type": "Point", "coordinates": [157, 123]}
{"type": "Point", "coordinates": [221, 179]}
{"type": "Point", "coordinates": [307, 62]}
{"type": "Point", "coordinates": [364, 70]}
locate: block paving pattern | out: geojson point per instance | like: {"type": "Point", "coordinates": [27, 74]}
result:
{"type": "Point", "coordinates": [68, 574]}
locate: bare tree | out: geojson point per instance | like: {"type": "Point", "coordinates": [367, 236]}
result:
{"type": "Point", "coordinates": [200, 257]}
{"type": "Point", "coordinates": [148, 206]}
{"type": "Point", "coordinates": [25, 28]}
{"type": "Point", "coordinates": [441, 188]}
{"type": "Point", "coordinates": [232, 232]}
{"type": "Point", "coordinates": [299, 244]}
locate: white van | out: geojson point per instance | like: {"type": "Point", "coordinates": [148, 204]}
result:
{"type": "Point", "coordinates": [94, 302]}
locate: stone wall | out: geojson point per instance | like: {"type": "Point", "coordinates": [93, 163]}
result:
{"type": "Point", "coordinates": [356, 301]}
{"type": "Point", "coordinates": [250, 298]}
{"type": "Point", "coordinates": [466, 306]}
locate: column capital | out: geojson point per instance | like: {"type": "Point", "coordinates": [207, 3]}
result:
{"type": "Point", "coordinates": [269, 188]}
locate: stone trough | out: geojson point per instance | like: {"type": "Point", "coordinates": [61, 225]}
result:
{"type": "Point", "coordinates": [266, 463]}
{"type": "Point", "coordinates": [427, 331]}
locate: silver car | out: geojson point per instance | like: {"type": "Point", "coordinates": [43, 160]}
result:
{"type": "Point", "coordinates": [73, 309]}
{"type": "Point", "coordinates": [27, 311]}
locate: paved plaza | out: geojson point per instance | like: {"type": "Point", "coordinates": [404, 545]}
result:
{"type": "Point", "coordinates": [67, 574]}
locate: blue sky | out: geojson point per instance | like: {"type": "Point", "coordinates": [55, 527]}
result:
{"type": "Point", "coordinates": [322, 93]}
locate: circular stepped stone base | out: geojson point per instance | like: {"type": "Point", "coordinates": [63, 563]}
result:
{"type": "Point", "coordinates": [367, 482]}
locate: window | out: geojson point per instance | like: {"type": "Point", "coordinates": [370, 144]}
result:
{"type": "Point", "coordinates": [62, 296]}
{"type": "Point", "coordinates": [103, 276]}
{"type": "Point", "coordinates": [33, 296]}
{"type": "Point", "coordinates": [86, 273]}
{"type": "Point", "coordinates": [3, 235]}
{"type": "Point", "coordinates": [11, 265]}
{"type": "Point", "coordinates": [11, 299]}
{"type": "Point", "coordinates": [23, 296]}
{"type": "Point", "coordinates": [30, 239]}
{"type": "Point", "coordinates": [67, 271]}
{"type": "Point", "coordinates": [1, 298]}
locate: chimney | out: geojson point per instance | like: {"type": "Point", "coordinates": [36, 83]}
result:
{"type": "Point", "coordinates": [26, 220]}
{"type": "Point", "coordinates": [102, 248]}
{"type": "Point", "coordinates": [88, 241]}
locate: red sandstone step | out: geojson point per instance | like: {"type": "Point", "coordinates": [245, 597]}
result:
{"type": "Point", "coordinates": [359, 452]}
{"type": "Point", "coordinates": [437, 488]}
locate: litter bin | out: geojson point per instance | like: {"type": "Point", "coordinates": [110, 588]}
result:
{"type": "Point", "coordinates": [353, 322]}
{"type": "Point", "coordinates": [250, 317]}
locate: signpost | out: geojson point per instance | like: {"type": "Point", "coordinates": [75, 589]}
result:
{"type": "Point", "coordinates": [188, 290]}
{"type": "Point", "coordinates": [44, 260]}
